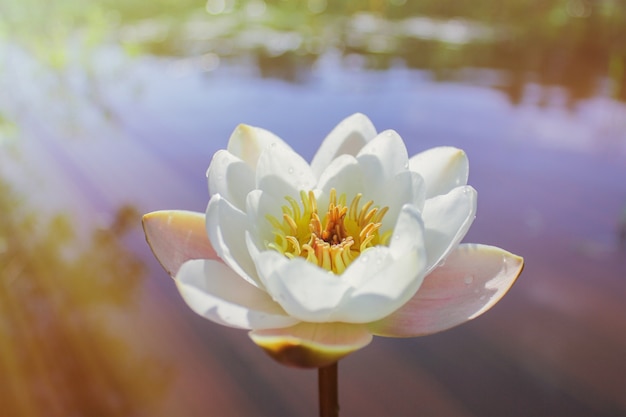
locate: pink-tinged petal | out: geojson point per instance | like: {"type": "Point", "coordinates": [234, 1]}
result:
{"type": "Point", "coordinates": [226, 227]}
{"type": "Point", "coordinates": [248, 142]}
{"type": "Point", "coordinates": [472, 280]}
{"type": "Point", "coordinates": [348, 137]}
{"type": "Point", "coordinates": [176, 236]}
{"type": "Point", "coordinates": [216, 292]}
{"type": "Point", "coordinates": [312, 345]}
{"type": "Point", "coordinates": [443, 168]}
{"type": "Point", "coordinates": [230, 177]}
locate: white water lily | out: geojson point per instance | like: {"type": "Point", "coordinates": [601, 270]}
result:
{"type": "Point", "coordinates": [317, 258]}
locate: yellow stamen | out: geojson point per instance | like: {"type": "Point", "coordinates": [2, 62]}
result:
{"type": "Point", "coordinates": [296, 245]}
{"type": "Point", "coordinates": [334, 241]}
{"type": "Point", "coordinates": [291, 222]}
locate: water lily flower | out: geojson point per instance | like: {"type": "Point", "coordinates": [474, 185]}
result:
{"type": "Point", "coordinates": [314, 259]}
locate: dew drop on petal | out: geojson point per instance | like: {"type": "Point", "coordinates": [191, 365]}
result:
{"type": "Point", "coordinates": [290, 170]}
{"type": "Point", "coordinates": [364, 259]}
{"type": "Point", "coordinates": [468, 279]}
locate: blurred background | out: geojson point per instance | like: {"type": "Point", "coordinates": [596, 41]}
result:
{"type": "Point", "coordinates": [110, 109]}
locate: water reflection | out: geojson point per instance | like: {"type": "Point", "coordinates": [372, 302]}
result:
{"type": "Point", "coordinates": [115, 102]}
{"type": "Point", "coordinates": [62, 347]}
{"type": "Point", "coordinates": [578, 45]}
{"type": "Point", "coordinates": [621, 229]}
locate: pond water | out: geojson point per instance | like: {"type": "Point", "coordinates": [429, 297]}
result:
{"type": "Point", "coordinates": [95, 133]}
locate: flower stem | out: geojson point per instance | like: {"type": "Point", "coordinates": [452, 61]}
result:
{"type": "Point", "coordinates": [329, 399]}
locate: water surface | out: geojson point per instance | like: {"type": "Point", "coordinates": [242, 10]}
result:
{"type": "Point", "coordinates": [95, 133]}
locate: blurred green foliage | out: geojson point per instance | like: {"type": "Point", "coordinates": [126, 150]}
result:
{"type": "Point", "coordinates": [63, 346]}
{"type": "Point", "coordinates": [576, 43]}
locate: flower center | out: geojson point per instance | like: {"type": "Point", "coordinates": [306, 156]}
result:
{"type": "Point", "coordinates": [332, 241]}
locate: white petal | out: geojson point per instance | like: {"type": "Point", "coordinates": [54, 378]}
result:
{"type": "Point", "coordinates": [408, 233]}
{"type": "Point", "coordinates": [304, 290]}
{"type": "Point", "coordinates": [386, 179]}
{"type": "Point", "coordinates": [384, 278]}
{"type": "Point", "coordinates": [230, 177]}
{"type": "Point", "coordinates": [383, 157]}
{"type": "Point", "coordinates": [406, 188]}
{"type": "Point", "coordinates": [214, 291]}
{"type": "Point", "coordinates": [348, 137]}
{"type": "Point", "coordinates": [247, 143]}
{"type": "Point", "coordinates": [370, 263]}
{"type": "Point", "coordinates": [473, 280]}
{"type": "Point", "coordinates": [282, 172]}
{"type": "Point", "coordinates": [408, 236]}
{"type": "Point", "coordinates": [226, 226]}
{"type": "Point", "coordinates": [344, 175]}
{"type": "Point", "coordinates": [443, 168]}
{"type": "Point", "coordinates": [447, 219]}
{"type": "Point", "coordinates": [385, 292]}
{"type": "Point", "coordinates": [258, 205]}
